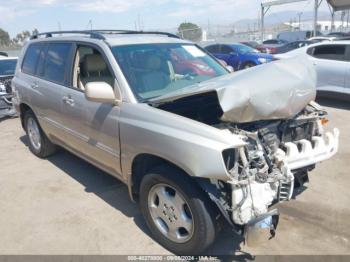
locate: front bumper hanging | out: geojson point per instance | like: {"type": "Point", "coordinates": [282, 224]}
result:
{"type": "Point", "coordinates": [311, 152]}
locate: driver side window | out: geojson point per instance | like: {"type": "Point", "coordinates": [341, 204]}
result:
{"type": "Point", "coordinates": [90, 66]}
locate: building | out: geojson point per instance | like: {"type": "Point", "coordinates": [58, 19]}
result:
{"type": "Point", "coordinates": [323, 26]}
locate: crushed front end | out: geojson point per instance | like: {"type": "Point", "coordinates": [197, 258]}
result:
{"type": "Point", "coordinates": [277, 157]}
{"type": "Point", "coordinates": [6, 106]}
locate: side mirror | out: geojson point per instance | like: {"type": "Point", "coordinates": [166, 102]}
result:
{"type": "Point", "coordinates": [100, 92]}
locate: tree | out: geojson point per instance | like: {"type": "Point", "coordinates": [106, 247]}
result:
{"type": "Point", "coordinates": [4, 38]}
{"type": "Point", "coordinates": [189, 31]}
{"type": "Point", "coordinates": [21, 37]}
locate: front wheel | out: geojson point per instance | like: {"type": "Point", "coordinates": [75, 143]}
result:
{"type": "Point", "coordinates": [248, 65]}
{"type": "Point", "coordinates": [39, 144]}
{"type": "Point", "coordinates": [178, 213]}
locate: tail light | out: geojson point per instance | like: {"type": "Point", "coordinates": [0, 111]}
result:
{"type": "Point", "coordinates": [271, 50]}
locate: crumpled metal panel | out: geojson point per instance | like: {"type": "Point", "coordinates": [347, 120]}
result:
{"type": "Point", "coordinates": [274, 91]}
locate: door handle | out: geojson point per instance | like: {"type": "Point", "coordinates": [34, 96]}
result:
{"type": "Point", "coordinates": [34, 85]}
{"type": "Point", "coordinates": [68, 100]}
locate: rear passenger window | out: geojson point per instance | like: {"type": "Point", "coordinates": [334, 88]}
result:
{"type": "Point", "coordinates": [330, 52]}
{"type": "Point", "coordinates": [57, 62]}
{"type": "Point", "coordinates": [31, 59]}
{"type": "Point", "coordinates": [213, 49]}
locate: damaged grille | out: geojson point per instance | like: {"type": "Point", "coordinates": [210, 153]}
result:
{"type": "Point", "coordinates": [297, 130]}
{"type": "Point", "coordinates": [6, 81]}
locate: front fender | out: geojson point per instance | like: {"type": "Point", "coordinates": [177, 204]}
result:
{"type": "Point", "coordinates": [194, 147]}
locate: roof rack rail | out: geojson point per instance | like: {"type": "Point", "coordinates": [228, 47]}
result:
{"type": "Point", "coordinates": [106, 31]}
{"type": "Point", "coordinates": [84, 32]}
{"type": "Point", "coordinates": [98, 34]}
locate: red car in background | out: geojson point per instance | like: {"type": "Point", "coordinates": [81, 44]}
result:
{"type": "Point", "coordinates": [185, 65]}
{"type": "Point", "coordinates": [271, 46]}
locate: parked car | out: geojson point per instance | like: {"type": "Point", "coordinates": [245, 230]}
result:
{"type": "Point", "coordinates": [331, 61]}
{"type": "Point", "coordinates": [297, 35]}
{"type": "Point", "coordinates": [338, 34]}
{"type": "Point", "coordinates": [274, 42]}
{"type": "Point", "coordinates": [271, 46]}
{"type": "Point", "coordinates": [7, 71]}
{"type": "Point", "coordinates": [293, 45]}
{"type": "Point", "coordinates": [194, 149]}
{"type": "Point", "coordinates": [318, 39]}
{"type": "Point", "coordinates": [252, 44]}
{"type": "Point", "coordinates": [239, 56]}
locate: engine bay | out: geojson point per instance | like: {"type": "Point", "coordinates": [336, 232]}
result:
{"type": "Point", "coordinates": [6, 107]}
{"type": "Point", "coordinates": [261, 175]}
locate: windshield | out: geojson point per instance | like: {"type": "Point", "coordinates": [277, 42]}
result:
{"type": "Point", "coordinates": [243, 49]}
{"type": "Point", "coordinates": [7, 67]}
{"type": "Point", "coordinates": [153, 70]}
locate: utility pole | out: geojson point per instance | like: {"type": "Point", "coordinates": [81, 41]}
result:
{"type": "Point", "coordinates": [90, 24]}
{"type": "Point", "coordinates": [265, 6]}
{"type": "Point", "coordinates": [315, 16]}
{"type": "Point", "coordinates": [342, 20]}
{"type": "Point", "coordinates": [262, 17]}
{"type": "Point", "coordinates": [316, 6]}
{"type": "Point", "coordinates": [299, 21]}
{"type": "Point", "coordinates": [332, 16]}
{"type": "Point", "coordinates": [332, 21]}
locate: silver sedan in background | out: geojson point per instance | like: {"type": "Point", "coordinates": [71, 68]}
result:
{"type": "Point", "coordinates": [332, 63]}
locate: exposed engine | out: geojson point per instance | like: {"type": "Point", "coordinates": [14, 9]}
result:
{"type": "Point", "coordinates": [6, 107]}
{"type": "Point", "coordinates": [277, 156]}
{"type": "Point", "coordinates": [261, 175]}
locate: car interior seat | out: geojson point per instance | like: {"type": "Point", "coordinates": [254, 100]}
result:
{"type": "Point", "coordinates": [94, 69]}
{"type": "Point", "coordinates": [154, 77]}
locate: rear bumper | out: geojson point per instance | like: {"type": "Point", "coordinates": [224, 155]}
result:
{"type": "Point", "coordinates": [311, 152]}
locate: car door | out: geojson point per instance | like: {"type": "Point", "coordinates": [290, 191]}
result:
{"type": "Point", "coordinates": [331, 65]}
{"type": "Point", "coordinates": [230, 56]}
{"type": "Point", "coordinates": [93, 127]}
{"type": "Point", "coordinates": [347, 74]}
{"type": "Point", "coordinates": [214, 50]}
{"type": "Point", "coordinates": [45, 91]}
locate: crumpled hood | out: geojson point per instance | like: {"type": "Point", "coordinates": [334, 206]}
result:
{"type": "Point", "coordinates": [276, 90]}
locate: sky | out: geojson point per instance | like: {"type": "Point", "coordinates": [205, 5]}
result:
{"type": "Point", "coordinates": [48, 15]}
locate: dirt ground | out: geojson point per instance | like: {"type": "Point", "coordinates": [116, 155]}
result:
{"type": "Point", "coordinates": [64, 205]}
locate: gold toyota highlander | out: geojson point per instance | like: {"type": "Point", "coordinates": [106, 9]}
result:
{"type": "Point", "coordinates": [196, 145]}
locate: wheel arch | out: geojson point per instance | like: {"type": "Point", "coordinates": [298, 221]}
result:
{"type": "Point", "coordinates": [249, 62]}
{"type": "Point", "coordinates": [23, 108]}
{"type": "Point", "coordinates": [141, 164]}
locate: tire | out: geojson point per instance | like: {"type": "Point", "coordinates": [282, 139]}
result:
{"type": "Point", "coordinates": [39, 144]}
{"type": "Point", "coordinates": [248, 65]}
{"type": "Point", "coordinates": [197, 210]}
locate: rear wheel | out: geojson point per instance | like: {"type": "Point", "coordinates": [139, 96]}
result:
{"type": "Point", "coordinates": [39, 144]}
{"type": "Point", "coordinates": [180, 216]}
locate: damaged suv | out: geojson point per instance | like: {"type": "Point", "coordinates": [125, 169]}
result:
{"type": "Point", "coordinates": [7, 71]}
{"type": "Point", "coordinates": [195, 144]}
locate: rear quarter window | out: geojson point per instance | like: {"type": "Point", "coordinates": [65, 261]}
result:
{"type": "Point", "coordinates": [329, 52]}
{"type": "Point", "coordinates": [31, 58]}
